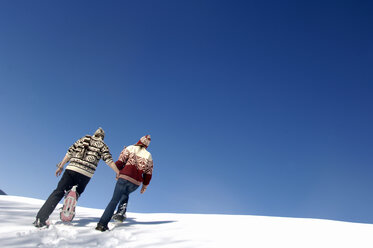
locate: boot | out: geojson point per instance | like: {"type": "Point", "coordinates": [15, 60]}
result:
{"type": "Point", "coordinates": [101, 227]}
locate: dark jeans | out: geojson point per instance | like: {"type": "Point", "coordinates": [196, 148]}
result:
{"type": "Point", "coordinates": [68, 180]}
{"type": "Point", "coordinates": [121, 192]}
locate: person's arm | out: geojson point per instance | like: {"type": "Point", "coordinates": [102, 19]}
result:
{"type": "Point", "coordinates": [114, 167]}
{"type": "Point", "coordinates": [122, 160]}
{"type": "Point", "coordinates": [72, 149]}
{"type": "Point", "coordinates": [123, 157]}
{"type": "Point", "coordinates": [145, 184]}
{"type": "Point", "coordinates": [143, 189]}
{"type": "Point", "coordinates": [108, 159]}
{"type": "Point", "coordinates": [61, 164]}
{"type": "Point", "coordinates": [147, 176]}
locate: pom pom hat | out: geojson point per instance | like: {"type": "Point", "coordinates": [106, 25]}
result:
{"type": "Point", "coordinates": [144, 141]}
{"type": "Point", "coordinates": [100, 133]}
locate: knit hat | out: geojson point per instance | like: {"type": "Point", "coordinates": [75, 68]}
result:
{"type": "Point", "coordinates": [144, 141]}
{"type": "Point", "coordinates": [99, 133]}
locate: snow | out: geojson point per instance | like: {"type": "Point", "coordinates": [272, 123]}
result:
{"type": "Point", "coordinates": [174, 230]}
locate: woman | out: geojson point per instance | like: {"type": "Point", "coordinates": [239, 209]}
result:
{"type": "Point", "coordinates": [136, 168]}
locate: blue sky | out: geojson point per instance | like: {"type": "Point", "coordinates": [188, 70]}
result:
{"type": "Point", "coordinates": [254, 107]}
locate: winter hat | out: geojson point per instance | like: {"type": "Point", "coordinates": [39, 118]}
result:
{"type": "Point", "coordinates": [144, 141]}
{"type": "Point", "coordinates": [99, 133]}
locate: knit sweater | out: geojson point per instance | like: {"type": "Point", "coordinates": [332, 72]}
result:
{"type": "Point", "coordinates": [135, 164]}
{"type": "Point", "coordinates": [86, 153]}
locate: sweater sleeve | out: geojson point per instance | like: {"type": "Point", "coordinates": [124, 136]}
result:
{"type": "Point", "coordinates": [106, 155]}
{"type": "Point", "coordinates": [120, 164]}
{"type": "Point", "coordinates": [123, 157]}
{"type": "Point", "coordinates": [147, 176]}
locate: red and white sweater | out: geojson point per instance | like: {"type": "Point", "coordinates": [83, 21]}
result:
{"type": "Point", "coordinates": [135, 164]}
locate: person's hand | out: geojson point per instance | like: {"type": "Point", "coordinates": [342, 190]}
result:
{"type": "Point", "coordinates": [59, 171]}
{"type": "Point", "coordinates": [117, 176]}
{"type": "Point", "coordinates": [143, 189]}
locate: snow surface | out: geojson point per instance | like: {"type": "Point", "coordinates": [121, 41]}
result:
{"type": "Point", "coordinates": [174, 230]}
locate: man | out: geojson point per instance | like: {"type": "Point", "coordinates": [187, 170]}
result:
{"type": "Point", "coordinates": [136, 165]}
{"type": "Point", "coordinates": [83, 156]}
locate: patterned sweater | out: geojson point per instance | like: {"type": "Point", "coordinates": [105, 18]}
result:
{"type": "Point", "coordinates": [135, 164]}
{"type": "Point", "coordinates": [86, 153]}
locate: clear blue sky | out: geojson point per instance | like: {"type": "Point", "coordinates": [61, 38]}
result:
{"type": "Point", "coordinates": [254, 107]}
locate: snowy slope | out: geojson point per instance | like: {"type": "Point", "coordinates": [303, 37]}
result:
{"type": "Point", "coordinates": [174, 230]}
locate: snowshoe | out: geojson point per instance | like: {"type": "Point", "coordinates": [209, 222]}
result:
{"type": "Point", "coordinates": [119, 217]}
{"type": "Point", "coordinates": [101, 227]}
{"type": "Point", "coordinates": [68, 210]}
{"type": "Point", "coordinates": [41, 224]}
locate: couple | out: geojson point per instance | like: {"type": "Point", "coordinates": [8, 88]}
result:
{"type": "Point", "coordinates": [133, 168]}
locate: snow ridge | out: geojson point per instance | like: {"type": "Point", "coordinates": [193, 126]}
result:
{"type": "Point", "coordinates": [174, 230]}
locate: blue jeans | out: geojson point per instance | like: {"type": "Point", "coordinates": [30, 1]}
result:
{"type": "Point", "coordinates": [121, 192]}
